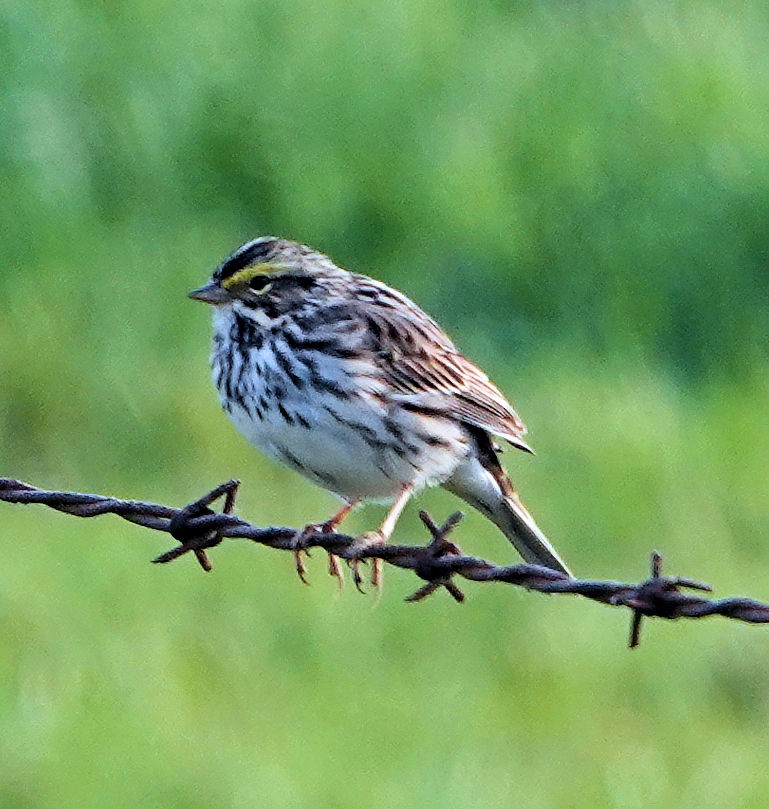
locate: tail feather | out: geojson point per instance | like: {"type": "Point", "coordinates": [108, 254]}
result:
{"type": "Point", "coordinates": [518, 526]}
{"type": "Point", "coordinates": [481, 482]}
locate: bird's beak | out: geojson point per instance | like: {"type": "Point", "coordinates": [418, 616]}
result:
{"type": "Point", "coordinates": [211, 293]}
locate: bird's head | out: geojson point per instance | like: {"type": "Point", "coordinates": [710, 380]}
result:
{"type": "Point", "coordinates": [269, 273]}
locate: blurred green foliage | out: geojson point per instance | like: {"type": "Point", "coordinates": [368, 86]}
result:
{"type": "Point", "coordinates": [579, 192]}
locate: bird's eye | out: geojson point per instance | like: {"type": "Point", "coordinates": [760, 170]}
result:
{"type": "Point", "coordinates": [260, 284]}
{"type": "Point", "coordinates": [305, 283]}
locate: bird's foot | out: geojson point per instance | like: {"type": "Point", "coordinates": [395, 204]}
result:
{"type": "Point", "coordinates": [309, 531]}
{"type": "Point", "coordinates": [327, 527]}
{"type": "Point", "coordinates": [366, 541]}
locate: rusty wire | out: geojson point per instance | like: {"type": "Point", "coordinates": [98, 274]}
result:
{"type": "Point", "coordinates": [197, 528]}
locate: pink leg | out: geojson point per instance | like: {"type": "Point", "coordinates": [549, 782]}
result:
{"type": "Point", "coordinates": [380, 537]}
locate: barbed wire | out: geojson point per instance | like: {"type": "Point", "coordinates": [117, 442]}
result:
{"type": "Point", "coordinates": [198, 528]}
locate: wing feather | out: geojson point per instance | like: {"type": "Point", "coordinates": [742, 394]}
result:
{"type": "Point", "coordinates": [423, 367]}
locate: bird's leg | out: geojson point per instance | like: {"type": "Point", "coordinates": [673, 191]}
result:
{"type": "Point", "coordinates": [327, 527]}
{"type": "Point", "coordinates": [380, 537]}
{"type": "Point", "coordinates": [330, 525]}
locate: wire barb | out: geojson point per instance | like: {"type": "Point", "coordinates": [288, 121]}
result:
{"type": "Point", "coordinates": [197, 528]}
{"type": "Point", "coordinates": [195, 539]}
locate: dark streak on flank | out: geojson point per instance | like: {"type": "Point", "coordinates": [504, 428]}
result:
{"type": "Point", "coordinates": [303, 421]}
{"type": "Point", "coordinates": [434, 441]}
{"type": "Point", "coordinates": [291, 459]}
{"type": "Point", "coordinates": [327, 480]}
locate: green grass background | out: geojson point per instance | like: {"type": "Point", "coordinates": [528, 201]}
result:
{"type": "Point", "coordinates": [580, 193]}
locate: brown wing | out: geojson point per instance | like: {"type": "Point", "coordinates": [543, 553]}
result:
{"type": "Point", "coordinates": [423, 367]}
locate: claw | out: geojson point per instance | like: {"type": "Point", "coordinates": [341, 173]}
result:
{"type": "Point", "coordinates": [376, 575]}
{"type": "Point", "coordinates": [301, 568]}
{"type": "Point", "coordinates": [357, 579]}
{"type": "Point", "coordinates": [335, 570]}
{"type": "Point", "coordinates": [367, 540]}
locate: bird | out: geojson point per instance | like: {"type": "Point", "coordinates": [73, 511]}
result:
{"type": "Point", "coordinates": [348, 382]}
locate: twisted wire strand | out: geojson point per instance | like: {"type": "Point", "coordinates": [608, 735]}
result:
{"type": "Point", "coordinates": [197, 528]}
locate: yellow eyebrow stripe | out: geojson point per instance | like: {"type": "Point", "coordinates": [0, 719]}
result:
{"type": "Point", "coordinates": [247, 273]}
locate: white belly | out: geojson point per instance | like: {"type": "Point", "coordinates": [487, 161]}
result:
{"type": "Point", "coordinates": [360, 444]}
{"type": "Point", "coordinates": [327, 452]}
